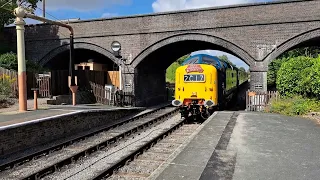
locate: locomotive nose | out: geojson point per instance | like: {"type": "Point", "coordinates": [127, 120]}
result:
{"type": "Point", "coordinates": [209, 103]}
{"type": "Point", "coordinates": [176, 102]}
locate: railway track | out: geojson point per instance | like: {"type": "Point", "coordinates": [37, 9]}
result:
{"type": "Point", "coordinates": [145, 164]}
{"type": "Point", "coordinates": [54, 160]}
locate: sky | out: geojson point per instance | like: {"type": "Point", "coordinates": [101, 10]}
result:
{"type": "Point", "coordinates": [93, 9]}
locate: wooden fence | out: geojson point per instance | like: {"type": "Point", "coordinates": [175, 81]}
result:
{"type": "Point", "coordinates": [258, 101]}
{"type": "Point", "coordinates": [33, 80]}
{"type": "Point", "coordinates": [109, 96]}
{"type": "Point", "coordinates": [59, 80]}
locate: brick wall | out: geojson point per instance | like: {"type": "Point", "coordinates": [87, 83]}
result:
{"type": "Point", "coordinates": [254, 32]}
{"type": "Point", "coordinates": [257, 28]}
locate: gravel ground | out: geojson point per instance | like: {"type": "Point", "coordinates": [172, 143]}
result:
{"type": "Point", "coordinates": [147, 163]}
{"type": "Point", "coordinates": [103, 159]}
{"type": "Point", "coordinates": [42, 104]}
{"type": "Point", "coordinates": [34, 166]}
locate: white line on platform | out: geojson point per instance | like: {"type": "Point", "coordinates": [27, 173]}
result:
{"type": "Point", "coordinates": [36, 120]}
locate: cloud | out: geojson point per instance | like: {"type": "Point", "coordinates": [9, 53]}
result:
{"type": "Point", "coordinates": [82, 5]}
{"type": "Point", "coordinates": [238, 62]}
{"type": "Point", "coordinates": [108, 15]}
{"type": "Point", "coordinates": [171, 5]}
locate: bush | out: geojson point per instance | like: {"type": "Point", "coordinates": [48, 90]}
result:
{"type": "Point", "coordinates": [171, 72]}
{"type": "Point", "coordinates": [297, 76]}
{"type": "Point", "coordinates": [10, 61]}
{"type": "Point", "coordinates": [274, 67]}
{"type": "Point", "coordinates": [6, 87]}
{"type": "Point", "coordinates": [295, 105]}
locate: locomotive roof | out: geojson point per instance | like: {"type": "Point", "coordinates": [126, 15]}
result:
{"type": "Point", "coordinates": [207, 59]}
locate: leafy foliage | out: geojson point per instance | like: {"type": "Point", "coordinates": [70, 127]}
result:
{"type": "Point", "coordinates": [225, 59]}
{"type": "Point", "coordinates": [295, 76]}
{"type": "Point", "coordinates": [275, 65]}
{"type": "Point", "coordinates": [6, 16]}
{"type": "Point", "coordinates": [182, 59]}
{"type": "Point", "coordinates": [5, 86]}
{"type": "Point", "coordinates": [295, 105]}
{"type": "Point", "coordinates": [10, 61]}
{"type": "Point", "coordinates": [171, 72]}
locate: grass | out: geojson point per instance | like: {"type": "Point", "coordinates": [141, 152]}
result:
{"type": "Point", "coordinates": [294, 106]}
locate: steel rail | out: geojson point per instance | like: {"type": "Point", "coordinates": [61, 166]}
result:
{"type": "Point", "coordinates": [130, 157]}
{"type": "Point", "coordinates": [59, 146]}
{"type": "Point", "coordinates": [87, 151]}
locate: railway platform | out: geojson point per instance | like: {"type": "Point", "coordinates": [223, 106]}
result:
{"type": "Point", "coordinates": [50, 111]}
{"type": "Point", "coordinates": [247, 145]}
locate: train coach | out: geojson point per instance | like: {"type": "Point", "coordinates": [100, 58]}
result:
{"type": "Point", "coordinates": [204, 84]}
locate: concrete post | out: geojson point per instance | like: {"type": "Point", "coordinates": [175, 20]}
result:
{"type": "Point", "coordinates": [22, 76]}
{"type": "Point", "coordinates": [35, 95]}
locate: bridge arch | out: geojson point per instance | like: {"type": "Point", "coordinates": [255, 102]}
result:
{"type": "Point", "coordinates": [296, 41]}
{"type": "Point", "coordinates": [151, 64]}
{"type": "Point", "coordinates": [77, 45]}
{"type": "Point", "coordinates": [219, 43]}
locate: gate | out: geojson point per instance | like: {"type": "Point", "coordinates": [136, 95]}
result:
{"type": "Point", "coordinates": [43, 81]}
{"type": "Point", "coordinates": [105, 95]}
{"type": "Point", "coordinates": [258, 101]}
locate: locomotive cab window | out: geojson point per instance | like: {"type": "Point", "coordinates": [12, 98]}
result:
{"type": "Point", "coordinates": [194, 78]}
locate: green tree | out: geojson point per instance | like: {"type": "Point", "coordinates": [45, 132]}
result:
{"type": "Point", "coordinates": [226, 59]}
{"type": "Point", "coordinates": [275, 65]}
{"type": "Point", "coordinates": [6, 16]}
{"type": "Point", "coordinates": [312, 51]}
{"type": "Point", "coordinates": [10, 61]}
{"type": "Point", "coordinates": [242, 69]}
{"type": "Point", "coordinates": [182, 59]}
{"type": "Point", "coordinates": [295, 76]}
{"type": "Point", "coordinates": [171, 70]}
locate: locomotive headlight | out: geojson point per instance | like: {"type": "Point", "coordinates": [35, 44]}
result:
{"type": "Point", "coordinates": [176, 102]}
{"type": "Point", "coordinates": [209, 103]}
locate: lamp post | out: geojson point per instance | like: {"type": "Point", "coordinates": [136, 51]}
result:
{"type": "Point", "coordinates": [22, 76]}
{"type": "Point", "coordinates": [116, 47]}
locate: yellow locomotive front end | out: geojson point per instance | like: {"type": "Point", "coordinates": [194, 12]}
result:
{"type": "Point", "coordinates": [196, 89]}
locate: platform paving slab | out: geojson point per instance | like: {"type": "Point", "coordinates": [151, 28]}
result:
{"type": "Point", "coordinates": [262, 146]}
{"type": "Point", "coordinates": [15, 117]}
{"type": "Point", "coordinates": [271, 146]}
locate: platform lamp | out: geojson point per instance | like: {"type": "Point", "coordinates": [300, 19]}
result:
{"type": "Point", "coordinates": [116, 48]}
